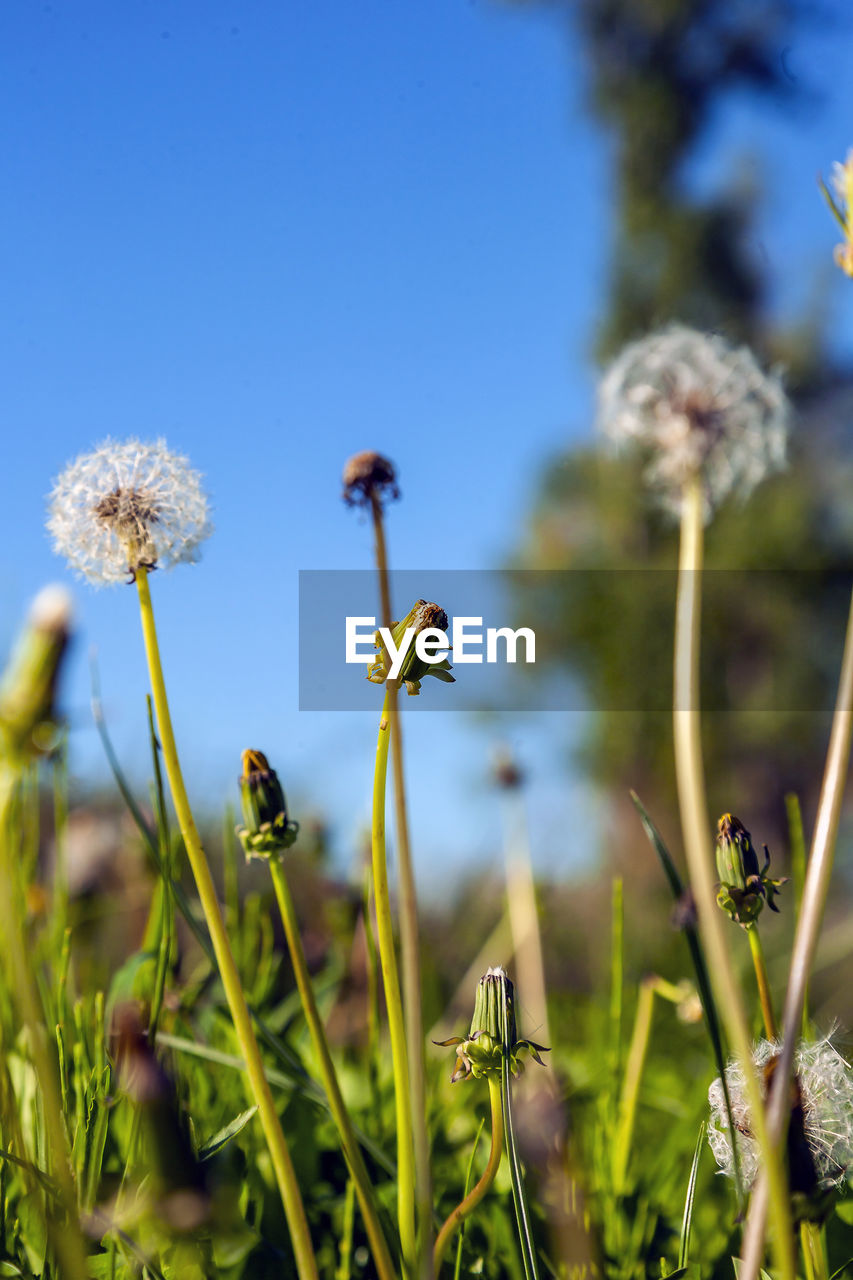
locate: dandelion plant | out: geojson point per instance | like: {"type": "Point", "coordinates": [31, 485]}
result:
{"type": "Point", "coordinates": [117, 514]}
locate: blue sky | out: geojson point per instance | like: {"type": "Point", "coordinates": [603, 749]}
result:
{"type": "Point", "coordinates": [278, 234]}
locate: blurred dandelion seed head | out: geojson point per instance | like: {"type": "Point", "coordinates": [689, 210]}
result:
{"type": "Point", "coordinates": [826, 1089]}
{"type": "Point", "coordinates": [696, 406]}
{"type": "Point", "coordinates": [368, 476]}
{"type": "Point", "coordinates": [125, 506]}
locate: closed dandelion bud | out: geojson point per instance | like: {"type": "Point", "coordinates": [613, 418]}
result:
{"type": "Point", "coordinates": [481, 1053]}
{"type": "Point", "coordinates": [28, 687]}
{"type": "Point", "coordinates": [423, 617]}
{"type": "Point", "coordinates": [744, 888]}
{"type": "Point", "coordinates": [267, 830]}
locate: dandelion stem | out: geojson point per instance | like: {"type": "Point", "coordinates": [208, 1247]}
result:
{"type": "Point", "coordinates": [473, 1198]}
{"type": "Point", "coordinates": [328, 1075]}
{"type": "Point", "coordinates": [770, 1028]}
{"type": "Point", "coordinates": [65, 1237]}
{"type": "Point", "coordinates": [409, 931]}
{"type": "Point", "coordinates": [690, 780]}
{"type": "Point", "coordinates": [393, 1001]}
{"type": "Point", "coordinates": [285, 1176]}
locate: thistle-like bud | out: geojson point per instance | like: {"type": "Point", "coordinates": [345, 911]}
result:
{"type": "Point", "coordinates": [492, 1032]}
{"type": "Point", "coordinates": [422, 617]}
{"type": "Point", "coordinates": [28, 686]}
{"type": "Point", "coordinates": [267, 831]}
{"type": "Point", "coordinates": [368, 477]}
{"type": "Point", "coordinates": [744, 888]}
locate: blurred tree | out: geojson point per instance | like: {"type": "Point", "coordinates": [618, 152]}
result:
{"type": "Point", "coordinates": [658, 69]}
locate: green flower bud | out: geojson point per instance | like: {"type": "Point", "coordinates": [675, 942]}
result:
{"type": "Point", "coordinates": [422, 616]}
{"type": "Point", "coordinates": [743, 888]}
{"type": "Point", "coordinates": [28, 687]}
{"type": "Point", "coordinates": [481, 1053]}
{"type": "Point", "coordinates": [268, 831]}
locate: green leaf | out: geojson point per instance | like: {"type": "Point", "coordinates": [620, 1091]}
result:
{"type": "Point", "coordinates": [225, 1134]}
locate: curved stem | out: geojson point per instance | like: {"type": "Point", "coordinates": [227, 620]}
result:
{"type": "Point", "coordinates": [409, 932]}
{"type": "Point", "coordinates": [294, 1209]}
{"type": "Point", "coordinates": [476, 1194]}
{"type": "Point", "coordinates": [690, 779]}
{"type": "Point", "coordinates": [328, 1075]}
{"type": "Point", "coordinates": [393, 1002]}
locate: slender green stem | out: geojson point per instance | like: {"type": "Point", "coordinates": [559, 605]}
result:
{"type": "Point", "coordinates": [690, 778]}
{"type": "Point", "coordinates": [303, 1251]}
{"type": "Point", "coordinates": [771, 1030]}
{"type": "Point", "coordinates": [328, 1075]}
{"type": "Point", "coordinates": [65, 1237]}
{"type": "Point", "coordinates": [631, 1083]}
{"type": "Point", "coordinates": [815, 889]}
{"type": "Point", "coordinates": [476, 1194]}
{"type": "Point", "coordinates": [814, 1254]}
{"type": "Point", "coordinates": [409, 937]}
{"type": "Point", "coordinates": [393, 1003]}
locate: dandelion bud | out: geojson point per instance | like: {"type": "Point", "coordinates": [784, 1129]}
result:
{"type": "Point", "coordinates": [743, 887]}
{"type": "Point", "coordinates": [492, 1028]}
{"type": "Point", "coordinates": [368, 477]}
{"type": "Point", "coordinates": [422, 616]}
{"type": "Point", "coordinates": [28, 687]}
{"type": "Point", "coordinates": [268, 831]}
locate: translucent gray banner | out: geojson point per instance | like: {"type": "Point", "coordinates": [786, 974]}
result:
{"type": "Point", "coordinates": [586, 639]}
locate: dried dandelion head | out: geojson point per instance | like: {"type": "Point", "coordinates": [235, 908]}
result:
{"type": "Point", "coordinates": [369, 477]}
{"type": "Point", "coordinates": [821, 1129]}
{"type": "Point", "coordinates": [696, 407]}
{"type": "Point", "coordinates": [128, 506]}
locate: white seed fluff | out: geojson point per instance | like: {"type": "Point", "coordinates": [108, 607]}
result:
{"type": "Point", "coordinates": [125, 505]}
{"type": "Point", "coordinates": [826, 1087]}
{"type": "Point", "coordinates": [696, 405]}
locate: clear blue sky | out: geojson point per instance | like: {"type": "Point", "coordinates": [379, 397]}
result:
{"type": "Point", "coordinates": [276, 234]}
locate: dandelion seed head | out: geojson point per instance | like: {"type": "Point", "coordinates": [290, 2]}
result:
{"type": "Point", "coordinates": [696, 406]}
{"type": "Point", "coordinates": [128, 505]}
{"type": "Point", "coordinates": [826, 1090]}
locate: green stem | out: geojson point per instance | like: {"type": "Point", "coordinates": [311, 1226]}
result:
{"type": "Point", "coordinates": [393, 1003]}
{"type": "Point", "coordinates": [698, 849]}
{"type": "Point", "coordinates": [328, 1075]}
{"type": "Point", "coordinates": [409, 936]}
{"type": "Point", "coordinates": [631, 1083]}
{"type": "Point", "coordinates": [473, 1198]}
{"type": "Point", "coordinates": [303, 1251]}
{"type": "Point", "coordinates": [65, 1237]}
{"type": "Point", "coordinates": [771, 1030]}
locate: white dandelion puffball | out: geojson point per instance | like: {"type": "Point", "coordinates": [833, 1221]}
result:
{"type": "Point", "coordinates": [126, 506]}
{"type": "Point", "coordinates": [826, 1091]}
{"type": "Point", "coordinates": [696, 406]}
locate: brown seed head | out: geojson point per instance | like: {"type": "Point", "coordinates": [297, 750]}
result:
{"type": "Point", "coordinates": [369, 477]}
